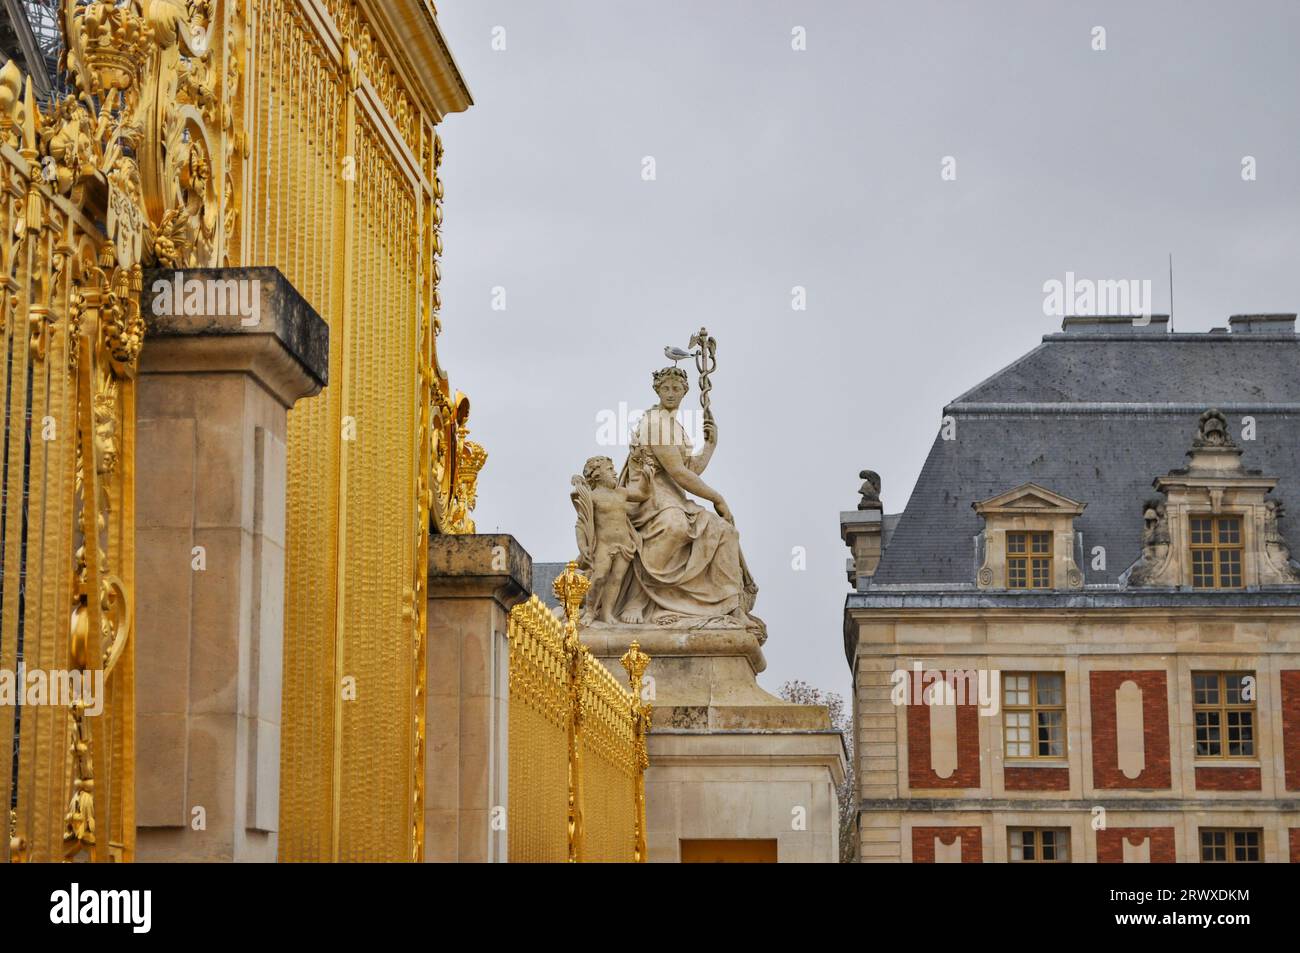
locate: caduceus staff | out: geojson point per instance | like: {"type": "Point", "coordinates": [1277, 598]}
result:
{"type": "Point", "coordinates": [704, 348]}
{"type": "Point", "coordinates": [706, 362]}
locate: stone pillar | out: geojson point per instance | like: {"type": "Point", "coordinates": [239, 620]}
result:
{"type": "Point", "coordinates": [474, 581]}
{"type": "Point", "coordinates": [731, 766]}
{"type": "Point", "coordinates": [227, 353]}
{"type": "Point", "coordinates": [861, 532]}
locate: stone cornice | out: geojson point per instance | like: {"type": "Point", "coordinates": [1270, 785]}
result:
{"type": "Point", "coordinates": [1157, 802]}
{"type": "Point", "coordinates": [1108, 600]}
{"type": "Point", "coordinates": [1111, 605]}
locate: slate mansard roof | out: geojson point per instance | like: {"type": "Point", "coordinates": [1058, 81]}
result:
{"type": "Point", "coordinates": [544, 576]}
{"type": "Point", "coordinates": [1097, 413]}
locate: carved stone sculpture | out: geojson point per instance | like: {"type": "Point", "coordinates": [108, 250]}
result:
{"type": "Point", "coordinates": [1274, 510]}
{"type": "Point", "coordinates": [1214, 485]}
{"type": "Point", "coordinates": [1152, 564]}
{"type": "Point", "coordinates": [1275, 544]}
{"type": "Point", "coordinates": [657, 556]}
{"type": "Point", "coordinates": [607, 540]}
{"type": "Point", "coordinates": [1155, 522]}
{"type": "Point", "coordinates": [1212, 431]}
{"type": "Point", "coordinates": [870, 490]}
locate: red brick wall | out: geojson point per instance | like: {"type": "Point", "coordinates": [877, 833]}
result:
{"type": "Point", "coordinates": [1295, 845]}
{"type": "Point", "coordinates": [919, 772]}
{"type": "Point", "coordinates": [1227, 779]}
{"type": "Point", "coordinates": [972, 849]}
{"type": "Point", "coordinates": [1036, 779]}
{"type": "Point", "coordinates": [1155, 730]}
{"type": "Point", "coordinates": [1110, 845]}
{"type": "Point", "coordinates": [1291, 728]}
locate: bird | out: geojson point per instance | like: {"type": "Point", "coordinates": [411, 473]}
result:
{"type": "Point", "coordinates": [676, 354]}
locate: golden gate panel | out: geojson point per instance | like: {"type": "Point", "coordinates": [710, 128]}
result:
{"type": "Point", "coordinates": [342, 194]}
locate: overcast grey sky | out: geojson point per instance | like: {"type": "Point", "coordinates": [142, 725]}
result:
{"type": "Point", "coordinates": [821, 168]}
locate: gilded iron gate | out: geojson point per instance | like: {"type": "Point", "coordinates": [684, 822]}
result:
{"type": "Point", "coordinates": [342, 193]}
{"type": "Point", "coordinates": [92, 184]}
{"type": "Point", "coordinates": [204, 133]}
{"type": "Point", "coordinates": [577, 756]}
{"type": "Point", "coordinates": [67, 520]}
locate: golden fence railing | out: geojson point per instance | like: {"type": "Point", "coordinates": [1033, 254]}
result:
{"type": "Point", "coordinates": [611, 766]}
{"type": "Point", "coordinates": [577, 746]}
{"type": "Point", "coordinates": [537, 824]}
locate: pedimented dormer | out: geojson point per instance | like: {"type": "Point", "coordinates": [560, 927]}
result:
{"type": "Point", "coordinates": [1214, 526]}
{"type": "Point", "coordinates": [1028, 540]}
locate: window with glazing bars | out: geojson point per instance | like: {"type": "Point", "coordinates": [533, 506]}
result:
{"type": "Point", "coordinates": [1223, 712]}
{"type": "Point", "coordinates": [1225, 845]}
{"type": "Point", "coordinates": [1216, 551]}
{"type": "Point", "coordinates": [1038, 845]}
{"type": "Point", "coordinates": [1033, 723]}
{"type": "Point", "coordinates": [1029, 560]}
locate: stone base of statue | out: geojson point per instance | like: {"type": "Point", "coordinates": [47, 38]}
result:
{"type": "Point", "coordinates": [735, 772]}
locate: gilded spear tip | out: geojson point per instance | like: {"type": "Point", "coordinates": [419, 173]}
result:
{"type": "Point", "coordinates": [29, 119]}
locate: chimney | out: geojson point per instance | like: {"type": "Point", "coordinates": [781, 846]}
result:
{"type": "Point", "coordinates": [1262, 323]}
{"type": "Point", "coordinates": [1115, 324]}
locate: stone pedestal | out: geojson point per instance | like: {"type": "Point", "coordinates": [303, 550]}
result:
{"type": "Point", "coordinates": [214, 390]}
{"type": "Point", "coordinates": [735, 772]}
{"type": "Point", "coordinates": [861, 531]}
{"type": "Point", "coordinates": [474, 581]}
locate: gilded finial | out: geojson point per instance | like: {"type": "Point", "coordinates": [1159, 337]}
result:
{"type": "Point", "coordinates": [570, 588]}
{"type": "Point", "coordinates": [635, 662]}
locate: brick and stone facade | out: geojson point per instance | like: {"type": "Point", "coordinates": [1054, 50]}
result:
{"type": "Point", "coordinates": [1069, 443]}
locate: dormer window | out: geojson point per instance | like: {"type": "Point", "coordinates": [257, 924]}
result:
{"type": "Point", "coordinates": [1029, 561]}
{"type": "Point", "coordinates": [1028, 541]}
{"type": "Point", "coordinates": [1215, 524]}
{"type": "Point", "coordinates": [1216, 548]}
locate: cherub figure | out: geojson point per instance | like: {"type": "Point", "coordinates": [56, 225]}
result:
{"type": "Point", "coordinates": [607, 540]}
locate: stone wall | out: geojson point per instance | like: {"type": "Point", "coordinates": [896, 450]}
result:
{"type": "Point", "coordinates": [1088, 792]}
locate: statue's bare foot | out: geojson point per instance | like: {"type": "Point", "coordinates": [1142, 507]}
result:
{"type": "Point", "coordinates": [632, 617]}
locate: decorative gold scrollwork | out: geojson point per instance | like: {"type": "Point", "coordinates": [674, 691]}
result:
{"type": "Point", "coordinates": [115, 625]}
{"type": "Point", "coordinates": [143, 144]}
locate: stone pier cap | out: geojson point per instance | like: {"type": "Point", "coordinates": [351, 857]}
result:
{"type": "Point", "coordinates": [212, 319]}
